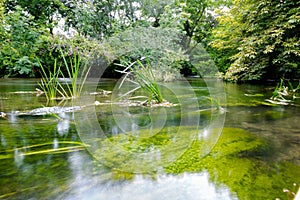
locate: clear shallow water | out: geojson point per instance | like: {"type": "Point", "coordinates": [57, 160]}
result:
{"type": "Point", "coordinates": [184, 186]}
{"type": "Point", "coordinates": [61, 168]}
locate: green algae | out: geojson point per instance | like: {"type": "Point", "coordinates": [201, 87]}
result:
{"type": "Point", "coordinates": [232, 142]}
{"type": "Point", "coordinates": [144, 151]}
{"type": "Point", "coordinates": [118, 150]}
{"type": "Point", "coordinates": [237, 161]}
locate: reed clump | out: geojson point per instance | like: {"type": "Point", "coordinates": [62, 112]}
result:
{"type": "Point", "coordinates": [56, 85]}
{"type": "Point", "coordinates": [144, 79]}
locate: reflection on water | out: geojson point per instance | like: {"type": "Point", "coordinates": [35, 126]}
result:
{"type": "Point", "coordinates": [18, 158]}
{"type": "Point", "coordinates": [193, 186]}
{"type": "Point", "coordinates": [43, 158]}
{"type": "Point", "coordinates": [63, 126]}
{"type": "Point", "coordinates": [279, 125]}
{"type": "Point", "coordinates": [146, 139]}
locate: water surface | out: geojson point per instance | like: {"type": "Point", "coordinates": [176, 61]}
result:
{"type": "Point", "coordinates": [45, 157]}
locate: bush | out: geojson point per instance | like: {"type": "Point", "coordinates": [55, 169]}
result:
{"type": "Point", "coordinates": [160, 45]}
{"type": "Point", "coordinates": [19, 44]}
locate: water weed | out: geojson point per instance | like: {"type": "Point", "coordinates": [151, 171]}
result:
{"type": "Point", "coordinates": [284, 93]}
{"type": "Point", "coordinates": [50, 84]}
{"type": "Point", "coordinates": [55, 84]}
{"type": "Point", "coordinates": [77, 75]}
{"type": "Point", "coordinates": [144, 79]}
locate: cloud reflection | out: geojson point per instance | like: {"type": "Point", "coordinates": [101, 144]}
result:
{"type": "Point", "coordinates": [187, 186]}
{"type": "Point", "coordinates": [63, 127]}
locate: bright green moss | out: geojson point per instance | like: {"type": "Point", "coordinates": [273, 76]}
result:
{"type": "Point", "coordinates": [237, 160]}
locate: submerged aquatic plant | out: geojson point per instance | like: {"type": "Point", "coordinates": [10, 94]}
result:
{"type": "Point", "coordinates": [34, 149]}
{"type": "Point", "coordinates": [215, 102]}
{"type": "Point", "coordinates": [144, 79]}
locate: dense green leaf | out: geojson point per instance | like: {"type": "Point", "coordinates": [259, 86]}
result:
{"type": "Point", "coordinates": [262, 39]}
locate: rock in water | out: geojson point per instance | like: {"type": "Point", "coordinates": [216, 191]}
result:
{"type": "Point", "coordinates": [52, 110]}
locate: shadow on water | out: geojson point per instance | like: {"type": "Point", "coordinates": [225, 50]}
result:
{"type": "Point", "coordinates": [44, 157]}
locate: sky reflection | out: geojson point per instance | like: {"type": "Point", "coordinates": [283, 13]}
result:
{"type": "Point", "coordinates": [187, 186]}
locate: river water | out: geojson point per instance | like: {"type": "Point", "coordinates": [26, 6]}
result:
{"type": "Point", "coordinates": [224, 143]}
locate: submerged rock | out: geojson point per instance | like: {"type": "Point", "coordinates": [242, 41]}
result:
{"type": "Point", "coordinates": [51, 110]}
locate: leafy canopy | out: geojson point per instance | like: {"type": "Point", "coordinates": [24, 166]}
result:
{"type": "Point", "coordinates": [260, 38]}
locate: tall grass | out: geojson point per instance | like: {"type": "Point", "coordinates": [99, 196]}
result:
{"type": "Point", "coordinates": [144, 79]}
{"type": "Point", "coordinates": [50, 84]}
{"type": "Point", "coordinates": [76, 75]}
{"type": "Point", "coordinates": [56, 89]}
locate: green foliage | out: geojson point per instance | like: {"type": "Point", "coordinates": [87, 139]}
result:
{"type": "Point", "coordinates": [25, 39]}
{"type": "Point", "coordinates": [24, 46]}
{"type": "Point", "coordinates": [191, 18]}
{"type": "Point", "coordinates": [260, 37]}
{"type": "Point", "coordinates": [19, 44]}
{"type": "Point", "coordinates": [145, 79]}
{"type": "Point", "coordinates": [164, 31]}
{"type": "Point", "coordinates": [202, 61]}
{"type": "Point", "coordinates": [159, 45]}
{"type": "Point", "coordinates": [24, 65]}
{"type": "Point", "coordinates": [129, 36]}
{"type": "Point", "coordinates": [76, 73]}
{"type": "Point", "coordinates": [116, 23]}
{"type": "Point", "coordinates": [194, 19]}
{"type": "Point", "coordinates": [44, 12]}
{"type": "Point", "coordinates": [92, 19]}
{"type": "Point", "coordinates": [50, 46]}
{"type": "Point", "coordinates": [156, 10]}
{"type": "Point", "coordinates": [50, 84]}
{"type": "Point", "coordinates": [1, 10]}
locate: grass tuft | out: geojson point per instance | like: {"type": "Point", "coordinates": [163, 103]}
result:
{"type": "Point", "coordinates": [76, 72]}
{"type": "Point", "coordinates": [144, 79]}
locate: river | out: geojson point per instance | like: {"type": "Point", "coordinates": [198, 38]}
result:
{"type": "Point", "coordinates": [217, 141]}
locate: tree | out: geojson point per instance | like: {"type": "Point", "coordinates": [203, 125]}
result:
{"type": "Point", "coordinates": [44, 12]}
{"type": "Point", "coordinates": [159, 45]}
{"type": "Point", "coordinates": [195, 20]}
{"type": "Point", "coordinates": [153, 10]}
{"type": "Point", "coordinates": [104, 20]}
{"type": "Point", "coordinates": [101, 18]}
{"type": "Point", "coordinates": [1, 10]}
{"type": "Point", "coordinates": [19, 44]}
{"type": "Point", "coordinates": [261, 38]}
